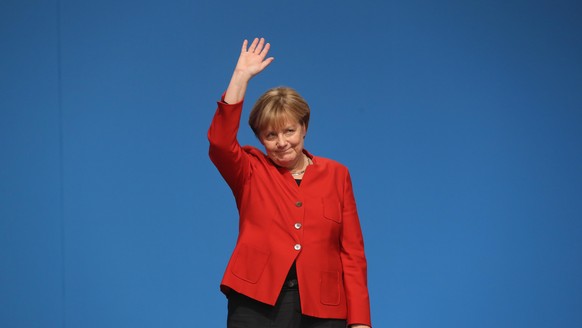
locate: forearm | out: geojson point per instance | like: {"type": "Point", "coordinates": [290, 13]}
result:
{"type": "Point", "coordinates": [225, 151]}
{"type": "Point", "coordinates": [237, 87]}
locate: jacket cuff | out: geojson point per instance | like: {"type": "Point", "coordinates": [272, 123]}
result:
{"type": "Point", "coordinates": [222, 102]}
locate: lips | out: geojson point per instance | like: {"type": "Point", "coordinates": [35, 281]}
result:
{"type": "Point", "coordinates": [283, 151]}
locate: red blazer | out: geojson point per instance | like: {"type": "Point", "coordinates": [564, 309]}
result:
{"type": "Point", "coordinates": [315, 224]}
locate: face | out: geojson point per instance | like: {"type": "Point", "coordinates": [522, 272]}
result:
{"type": "Point", "coordinates": [285, 145]}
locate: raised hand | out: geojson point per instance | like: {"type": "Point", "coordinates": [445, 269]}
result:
{"type": "Point", "coordinates": [252, 61]}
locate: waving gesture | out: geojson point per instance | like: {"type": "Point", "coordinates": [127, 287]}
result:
{"type": "Point", "coordinates": [252, 59]}
{"type": "Point", "coordinates": [250, 63]}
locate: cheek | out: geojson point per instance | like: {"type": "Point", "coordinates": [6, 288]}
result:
{"type": "Point", "coordinates": [269, 147]}
{"type": "Point", "coordinates": [299, 140]}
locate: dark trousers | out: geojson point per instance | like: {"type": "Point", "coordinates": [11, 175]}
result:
{"type": "Point", "coordinates": [245, 312]}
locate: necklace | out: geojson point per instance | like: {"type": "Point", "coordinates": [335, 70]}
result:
{"type": "Point", "coordinates": [302, 171]}
{"type": "Point", "coordinates": [297, 173]}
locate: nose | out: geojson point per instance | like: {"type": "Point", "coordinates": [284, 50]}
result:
{"type": "Point", "coordinates": [281, 141]}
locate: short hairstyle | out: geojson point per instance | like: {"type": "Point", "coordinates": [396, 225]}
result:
{"type": "Point", "coordinates": [275, 107]}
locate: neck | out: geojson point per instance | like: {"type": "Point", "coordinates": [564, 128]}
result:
{"type": "Point", "coordinates": [300, 166]}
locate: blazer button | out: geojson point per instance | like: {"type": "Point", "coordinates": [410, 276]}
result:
{"type": "Point", "coordinates": [297, 225]}
{"type": "Point", "coordinates": [299, 204]}
{"type": "Point", "coordinates": [297, 247]}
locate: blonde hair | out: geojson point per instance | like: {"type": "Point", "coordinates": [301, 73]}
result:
{"type": "Point", "coordinates": [275, 107]}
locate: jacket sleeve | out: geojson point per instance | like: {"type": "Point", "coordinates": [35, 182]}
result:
{"type": "Point", "coordinates": [225, 151]}
{"type": "Point", "coordinates": [354, 261]}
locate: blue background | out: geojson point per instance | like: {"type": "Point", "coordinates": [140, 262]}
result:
{"type": "Point", "coordinates": [461, 123]}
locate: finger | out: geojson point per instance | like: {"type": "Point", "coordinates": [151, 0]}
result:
{"type": "Point", "coordinates": [260, 45]}
{"type": "Point", "coordinates": [253, 46]}
{"type": "Point", "coordinates": [265, 50]}
{"type": "Point", "coordinates": [244, 45]}
{"type": "Point", "coordinates": [267, 62]}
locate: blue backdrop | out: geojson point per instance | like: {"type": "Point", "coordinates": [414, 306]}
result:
{"type": "Point", "coordinates": [461, 123]}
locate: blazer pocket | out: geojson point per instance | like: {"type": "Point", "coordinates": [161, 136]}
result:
{"type": "Point", "coordinates": [332, 210]}
{"type": "Point", "coordinates": [249, 263]}
{"type": "Point", "coordinates": [330, 288]}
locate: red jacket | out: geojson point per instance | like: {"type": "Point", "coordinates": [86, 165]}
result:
{"type": "Point", "coordinates": [315, 224]}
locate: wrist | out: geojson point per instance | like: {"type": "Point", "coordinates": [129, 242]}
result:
{"type": "Point", "coordinates": [240, 77]}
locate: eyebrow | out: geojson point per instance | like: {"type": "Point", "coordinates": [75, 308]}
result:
{"type": "Point", "coordinates": [283, 127]}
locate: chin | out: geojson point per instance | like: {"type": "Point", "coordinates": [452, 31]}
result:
{"type": "Point", "coordinates": [284, 162]}
{"type": "Point", "coordinates": [281, 162]}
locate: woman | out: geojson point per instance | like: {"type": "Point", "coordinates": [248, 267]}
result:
{"type": "Point", "coordinates": [299, 259]}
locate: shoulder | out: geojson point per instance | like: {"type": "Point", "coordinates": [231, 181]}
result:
{"type": "Point", "coordinates": [329, 163]}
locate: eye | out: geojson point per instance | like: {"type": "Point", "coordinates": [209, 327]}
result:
{"type": "Point", "coordinates": [290, 131]}
{"type": "Point", "coordinates": [270, 136]}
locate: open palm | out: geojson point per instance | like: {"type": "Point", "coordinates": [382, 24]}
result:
{"type": "Point", "coordinates": [252, 59]}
